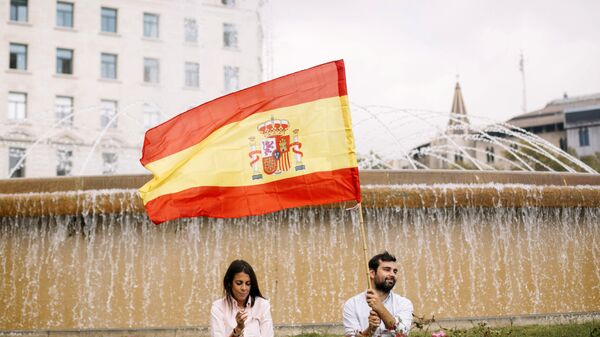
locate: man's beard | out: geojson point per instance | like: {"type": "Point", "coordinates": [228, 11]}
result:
{"type": "Point", "coordinates": [385, 286]}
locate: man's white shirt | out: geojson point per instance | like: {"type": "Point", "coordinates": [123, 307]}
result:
{"type": "Point", "coordinates": [356, 314]}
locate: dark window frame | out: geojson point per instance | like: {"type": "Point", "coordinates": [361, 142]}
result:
{"type": "Point", "coordinates": [64, 65]}
{"type": "Point", "coordinates": [64, 168]}
{"type": "Point", "coordinates": [109, 66]}
{"type": "Point", "coordinates": [65, 18]}
{"type": "Point", "coordinates": [230, 35]}
{"type": "Point", "coordinates": [562, 143]}
{"type": "Point", "coordinates": [19, 10]}
{"type": "Point", "coordinates": [228, 76]}
{"type": "Point", "coordinates": [14, 160]}
{"type": "Point", "coordinates": [17, 106]}
{"type": "Point", "coordinates": [151, 25]}
{"type": "Point", "coordinates": [192, 74]}
{"type": "Point", "coordinates": [584, 136]}
{"type": "Point", "coordinates": [490, 155]}
{"type": "Point", "coordinates": [109, 20]}
{"type": "Point", "coordinates": [151, 70]}
{"type": "Point", "coordinates": [190, 30]}
{"type": "Point", "coordinates": [108, 159]}
{"type": "Point", "coordinates": [64, 113]}
{"type": "Point", "coordinates": [17, 57]}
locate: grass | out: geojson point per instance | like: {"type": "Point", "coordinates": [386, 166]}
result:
{"type": "Point", "coordinates": [588, 329]}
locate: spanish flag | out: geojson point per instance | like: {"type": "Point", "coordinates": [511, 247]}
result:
{"type": "Point", "coordinates": [283, 143]}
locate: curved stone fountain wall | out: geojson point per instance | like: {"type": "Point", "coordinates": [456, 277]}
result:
{"type": "Point", "coordinates": [80, 253]}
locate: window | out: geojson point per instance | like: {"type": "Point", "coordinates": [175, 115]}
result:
{"type": "Point", "coordinates": [151, 70]}
{"type": "Point", "coordinates": [489, 154]}
{"type": "Point", "coordinates": [231, 78]}
{"type": "Point", "coordinates": [18, 56]}
{"type": "Point", "coordinates": [190, 28]}
{"type": "Point", "coordinates": [65, 162]}
{"type": "Point", "coordinates": [229, 36]}
{"type": "Point", "coordinates": [151, 25]}
{"type": "Point", "coordinates": [563, 144]}
{"type": "Point", "coordinates": [584, 137]}
{"type": "Point", "coordinates": [228, 3]}
{"type": "Point", "coordinates": [109, 163]}
{"type": "Point", "coordinates": [108, 20]}
{"type": "Point", "coordinates": [192, 76]}
{"type": "Point", "coordinates": [63, 106]}
{"type": "Point", "coordinates": [17, 106]}
{"type": "Point", "coordinates": [108, 66]}
{"type": "Point", "coordinates": [64, 61]}
{"type": "Point", "coordinates": [64, 14]}
{"type": "Point", "coordinates": [108, 117]}
{"type": "Point", "coordinates": [151, 116]}
{"type": "Point", "coordinates": [458, 157]}
{"type": "Point", "coordinates": [16, 162]}
{"type": "Point", "coordinates": [18, 10]}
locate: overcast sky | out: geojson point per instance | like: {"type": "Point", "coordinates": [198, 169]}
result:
{"type": "Point", "coordinates": [406, 54]}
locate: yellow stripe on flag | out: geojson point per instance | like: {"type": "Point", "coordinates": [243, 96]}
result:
{"type": "Point", "coordinates": [222, 159]}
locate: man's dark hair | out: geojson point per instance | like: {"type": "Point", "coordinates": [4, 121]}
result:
{"type": "Point", "coordinates": [382, 257]}
{"type": "Point", "coordinates": [240, 266]}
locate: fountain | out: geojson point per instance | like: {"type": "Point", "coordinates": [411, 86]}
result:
{"type": "Point", "coordinates": [79, 253]}
{"type": "Point", "coordinates": [63, 135]}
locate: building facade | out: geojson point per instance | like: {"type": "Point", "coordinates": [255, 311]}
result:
{"type": "Point", "coordinates": [84, 79]}
{"type": "Point", "coordinates": [583, 130]}
{"type": "Point", "coordinates": [569, 124]}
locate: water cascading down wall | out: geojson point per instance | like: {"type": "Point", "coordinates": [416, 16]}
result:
{"type": "Point", "coordinates": [79, 253]}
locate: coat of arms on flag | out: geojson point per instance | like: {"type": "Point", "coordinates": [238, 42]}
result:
{"type": "Point", "coordinates": [275, 147]}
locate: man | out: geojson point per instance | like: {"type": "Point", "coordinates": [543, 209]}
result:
{"type": "Point", "coordinates": [379, 312]}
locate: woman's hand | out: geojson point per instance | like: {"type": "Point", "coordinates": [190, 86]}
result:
{"type": "Point", "coordinates": [240, 317]}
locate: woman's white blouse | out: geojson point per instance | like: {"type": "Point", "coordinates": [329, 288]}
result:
{"type": "Point", "coordinates": [258, 324]}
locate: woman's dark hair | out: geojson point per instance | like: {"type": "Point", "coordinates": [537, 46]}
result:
{"type": "Point", "coordinates": [240, 266]}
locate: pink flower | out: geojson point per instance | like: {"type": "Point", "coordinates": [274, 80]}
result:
{"type": "Point", "coordinates": [440, 333]}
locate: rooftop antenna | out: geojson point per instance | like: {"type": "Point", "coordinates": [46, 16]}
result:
{"type": "Point", "coordinates": [522, 70]}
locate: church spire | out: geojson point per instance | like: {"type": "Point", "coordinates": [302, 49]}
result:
{"type": "Point", "coordinates": [459, 123]}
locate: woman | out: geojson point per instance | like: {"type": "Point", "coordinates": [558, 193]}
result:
{"type": "Point", "coordinates": [243, 311]}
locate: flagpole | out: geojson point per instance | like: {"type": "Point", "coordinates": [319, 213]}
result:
{"type": "Point", "coordinates": [364, 242]}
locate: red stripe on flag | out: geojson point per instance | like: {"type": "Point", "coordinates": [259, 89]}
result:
{"type": "Point", "coordinates": [231, 202]}
{"type": "Point", "coordinates": [191, 127]}
{"type": "Point", "coordinates": [341, 78]}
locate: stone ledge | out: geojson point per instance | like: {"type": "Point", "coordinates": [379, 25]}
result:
{"type": "Point", "coordinates": [374, 196]}
{"type": "Point", "coordinates": [367, 177]}
{"type": "Point", "coordinates": [326, 328]}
